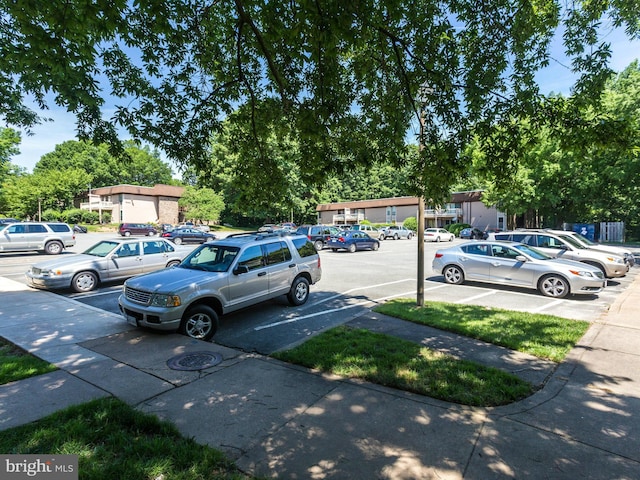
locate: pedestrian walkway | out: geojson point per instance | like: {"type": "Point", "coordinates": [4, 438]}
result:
{"type": "Point", "coordinates": [280, 420]}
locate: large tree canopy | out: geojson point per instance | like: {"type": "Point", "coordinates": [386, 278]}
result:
{"type": "Point", "coordinates": [339, 77]}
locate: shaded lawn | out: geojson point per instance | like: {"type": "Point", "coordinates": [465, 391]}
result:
{"type": "Point", "coordinates": [544, 336]}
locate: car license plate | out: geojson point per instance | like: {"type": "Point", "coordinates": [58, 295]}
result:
{"type": "Point", "coordinates": [132, 321]}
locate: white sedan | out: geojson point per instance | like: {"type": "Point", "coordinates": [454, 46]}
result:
{"type": "Point", "coordinates": [438, 235]}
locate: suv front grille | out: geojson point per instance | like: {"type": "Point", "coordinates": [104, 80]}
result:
{"type": "Point", "coordinates": [137, 296]}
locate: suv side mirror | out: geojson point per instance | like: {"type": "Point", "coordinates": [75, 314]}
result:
{"type": "Point", "coordinates": [240, 269]}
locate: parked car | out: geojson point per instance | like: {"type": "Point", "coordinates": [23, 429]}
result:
{"type": "Point", "coordinates": [79, 229]}
{"type": "Point", "coordinates": [48, 237]}
{"type": "Point", "coordinates": [438, 235]}
{"type": "Point", "coordinates": [352, 240]}
{"type": "Point", "coordinates": [625, 253]}
{"type": "Point", "coordinates": [317, 234]}
{"type": "Point", "coordinates": [564, 246]}
{"type": "Point", "coordinates": [397, 232]}
{"type": "Point", "coordinates": [370, 229]}
{"type": "Point", "coordinates": [105, 261]}
{"type": "Point", "coordinates": [518, 265]}
{"type": "Point", "coordinates": [127, 229]}
{"type": "Point", "coordinates": [267, 227]}
{"type": "Point", "coordinates": [6, 221]}
{"type": "Point", "coordinates": [188, 235]}
{"type": "Point", "coordinates": [220, 277]}
{"type": "Point", "coordinates": [472, 233]}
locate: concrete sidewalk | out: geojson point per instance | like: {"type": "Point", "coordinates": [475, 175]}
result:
{"type": "Point", "coordinates": [279, 420]}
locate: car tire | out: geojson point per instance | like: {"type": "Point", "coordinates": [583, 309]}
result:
{"type": "Point", "coordinates": [437, 239]}
{"type": "Point", "coordinates": [126, 234]}
{"type": "Point", "coordinates": [318, 244]}
{"type": "Point", "coordinates": [381, 237]}
{"type": "Point", "coordinates": [453, 274]}
{"type": "Point", "coordinates": [199, 322]}
{"type": "Point", "coordinates": [208, 239]}
{"type": "Point", "coordinates": [451, 238]}
{"type": "Point", "coordinates": [177, 241]}
{"type": "Point", "coordinates": [396, 237]}
{"type": "Point", "coordinates": [351, 248]}
{"type": "Point", "coordinates": [334, 249]}
{"type": "Point", "coordinates": [375, 247]}
{"type": "Point", "coordinates": [84, 282]}
{"type": "Point", "coordinates": [409, 237]}
{"type": "Point", "coordinates": [53, 248]}
{"type": "Point", "coordinates": [173, 263]}
{"type": "Point", "coordinates": [299, 292]}
{"type": "Point", "coordinates": [553, 286]}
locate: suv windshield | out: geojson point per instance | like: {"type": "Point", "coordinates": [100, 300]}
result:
{"type": "Point", "coordinates": [571, 241]}
{"type": "Point", "coordinates": [212, 258]}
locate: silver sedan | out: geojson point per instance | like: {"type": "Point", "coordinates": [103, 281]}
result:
{"type": "Point", "coordinates": [518, 265]}
{"type": "Point", "coordinates": [105, 261]}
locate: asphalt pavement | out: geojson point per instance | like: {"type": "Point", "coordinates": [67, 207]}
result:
{"type": "Point", "coordinates": [284, 421]}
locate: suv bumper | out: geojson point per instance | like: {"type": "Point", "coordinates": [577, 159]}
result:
{"type": "Point", "coordinates": [152, 317]}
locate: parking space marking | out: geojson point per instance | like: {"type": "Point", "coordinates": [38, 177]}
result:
{"type": "Point", "coordinates": [363, 288]}
{"type": "Point", "coordinates": [482, 295]}
{"type": "Point", "coordinates": [548, 305]}
{"type": "Point", "coordinates": [346, 307]}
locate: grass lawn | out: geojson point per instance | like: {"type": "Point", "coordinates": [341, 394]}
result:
{"type": "Point", "coordinates": [16, 364]}
{"type": "Point", "coordinates": [397, 363]}
{"type": "Point", "coordinates": [114, 441]}
{"type": "Point", "coordinates": [544, 336]}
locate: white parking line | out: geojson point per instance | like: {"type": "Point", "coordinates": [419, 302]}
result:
{"type": "Point", "coordinates": [482, 295]}
{"type": "Point", "coordinates": [346, 307]}
{"type": "Point", "coordinates": [548, 305]}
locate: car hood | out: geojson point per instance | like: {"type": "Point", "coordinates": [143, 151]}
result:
{"type": "Point", "coordinates": [173, 279]}
{"type": "Point", "coordinates": [574, 264]}
{"type": "Point", "coordinates": [68, 260]}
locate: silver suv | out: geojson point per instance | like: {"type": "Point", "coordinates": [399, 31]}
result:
{"type": "Point", "coordinates": [563, 245]}
{"type": "Point", "coordinates": [220, 277]}
{"type": "Point", "coordinates": [48, 237]}
{"type": "Point", "coordinates": [623, 252]}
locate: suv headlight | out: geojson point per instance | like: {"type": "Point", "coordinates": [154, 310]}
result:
{"type": "Point", "coordinates": [615, 259]}
{"type": "Point", "coordinates": [165, 301]}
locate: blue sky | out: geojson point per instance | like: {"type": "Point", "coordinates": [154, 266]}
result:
{"type": "Point", "coordinates": [556, 78]}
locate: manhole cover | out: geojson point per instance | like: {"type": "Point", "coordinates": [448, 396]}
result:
{"type": "Point", "coordinates": [194, 361]}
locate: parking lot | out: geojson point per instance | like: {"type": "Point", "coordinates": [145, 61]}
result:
{"type": "Point", "coordinates": [351, 284]}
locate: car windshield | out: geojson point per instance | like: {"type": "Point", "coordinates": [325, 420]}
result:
{"type": "Point", "coordinates": [211, 258]}
{"type": "Point", "coordinates": [101, 249]}
{"type": "Point", "coordinates": [584, 240]}
{"type": "Point", "coordinates": [571, 241]}
{"type": "Point", "coordinates": [531, 251]}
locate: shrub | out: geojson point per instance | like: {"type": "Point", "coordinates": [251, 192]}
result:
{"type": "Point", "coordinates": [456, 227]}
{"type": "Point", "coordinates": [411, 223]}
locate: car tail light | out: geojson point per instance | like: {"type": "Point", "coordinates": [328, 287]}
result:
{"type": "Point", "coordinates": [439, 255]}
{"type": "Point", "coordinates": [319, 261]}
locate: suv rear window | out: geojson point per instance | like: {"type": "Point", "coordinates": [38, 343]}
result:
{"type": "Point", "coordinates": [59, 227]}
{"type": "Point", "coordinates": [304, 246]}
{"type": "Point", "coordinates": [277, 252]}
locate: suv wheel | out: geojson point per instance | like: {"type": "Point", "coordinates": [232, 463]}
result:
{"type": "Point", "coordinates": [53, 248]}
{"type": "Point", "coordinates": [199, 322]}
{"type": "Point", "coordinates": [299, 292]}
{"type": "Point", "coordinates": [318, 244]}
{"type": "Point", "coordinates": [127, 233]}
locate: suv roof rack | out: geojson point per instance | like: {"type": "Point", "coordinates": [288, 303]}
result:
{"type": "Point", "coordinates": [261, 235]}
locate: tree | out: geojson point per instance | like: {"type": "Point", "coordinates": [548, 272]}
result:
{"type": "Point", "coordinates": [201, 204]}
{"type": "Point", "coordinates": [144, 167]}
{"type": "Point", "coordinates": [341, 78]}
{"type": "Point", "coordinates": [27, 195]}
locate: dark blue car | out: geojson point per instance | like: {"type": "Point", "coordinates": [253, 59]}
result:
{"type": "Point", "coordinates": [352, 240]}
{"type": "Point", "coordinates": [188, 235]}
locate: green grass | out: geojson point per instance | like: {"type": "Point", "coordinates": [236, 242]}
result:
{"type": "Point", "coordinates": [114, 441]}
{"type": "Point", "coordinates": [16, 364]}
{"type": "Point", "coordinates": [544, 336]}
{"type": "Point", "coordinates": [405, 365]}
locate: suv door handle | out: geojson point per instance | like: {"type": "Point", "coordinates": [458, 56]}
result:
{"type": "Point", "coordinates": [292, 265]}
{"type": "Point", "coordinates": [262, 274]}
